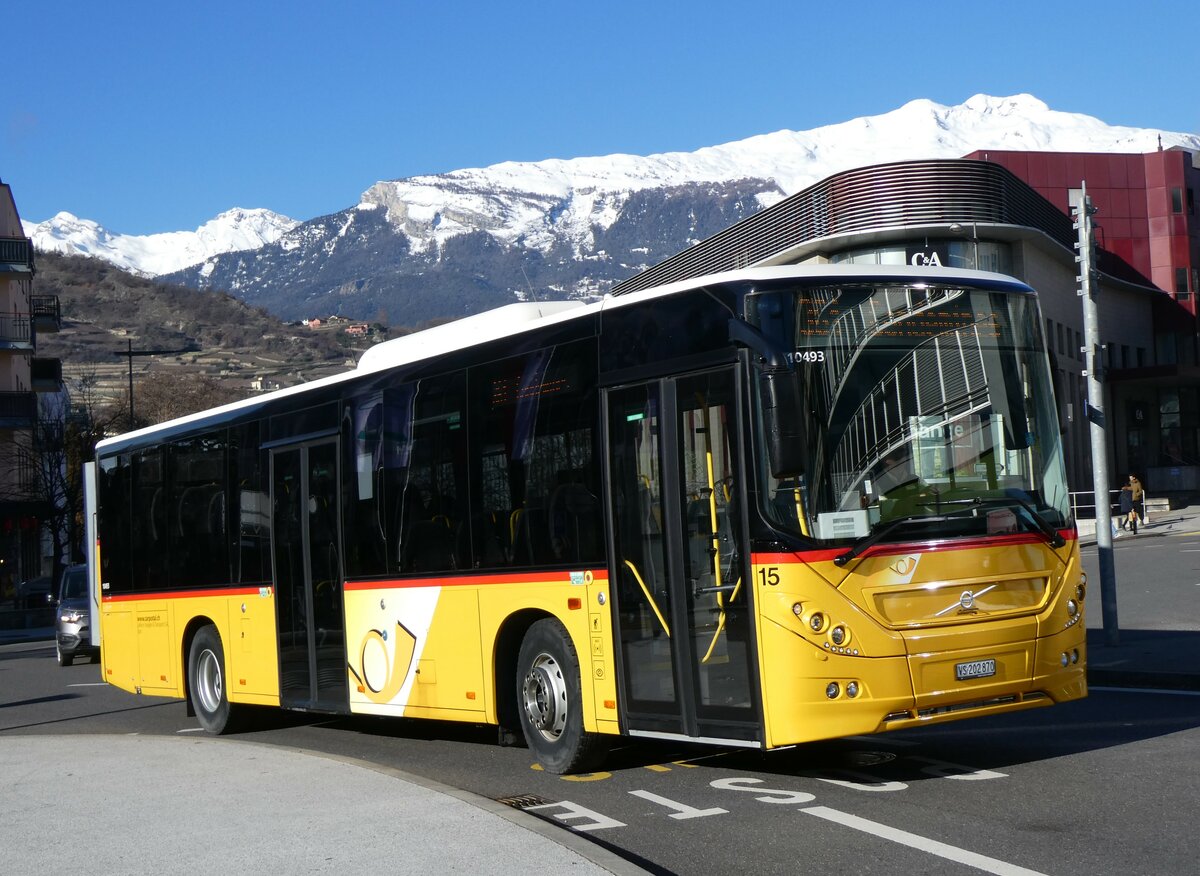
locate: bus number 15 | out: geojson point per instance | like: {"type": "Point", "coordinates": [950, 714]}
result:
{"type": "Point", "coordinates": [769, 575]}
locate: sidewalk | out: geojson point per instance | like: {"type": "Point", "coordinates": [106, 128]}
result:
{"type": "Point", "coordinates": [172, 805]}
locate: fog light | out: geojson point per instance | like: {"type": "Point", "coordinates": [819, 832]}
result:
{"type": "Point", "coordinates": [1065, 659]}
{"type": "Point", "coordinates": [838, 635]}
{"type": "Point", "coordinates": [852, 689]}
{"type": "Point", "coordinates": [1072, 607]}
{"type": "Point", "coordinates": [817, 622]}
{"type": "Point", "coordinates": [1074, 655]}
{"type": "Point", "coordinates": [832, 690]}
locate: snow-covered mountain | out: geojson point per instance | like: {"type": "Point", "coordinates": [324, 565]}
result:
{"type": "Point", "coordinates": [154, 254]}
{"type": "Point", "coordinates": [453, 243]}
{"type": "Point", "coordinates": [539, 202]}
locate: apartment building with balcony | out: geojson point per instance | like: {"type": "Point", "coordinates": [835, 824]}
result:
{"type": "Point", "coordinates": [24, 376]}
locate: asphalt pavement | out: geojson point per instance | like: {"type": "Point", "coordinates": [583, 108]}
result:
{"type": "Point", "coordinates": [266, 809]}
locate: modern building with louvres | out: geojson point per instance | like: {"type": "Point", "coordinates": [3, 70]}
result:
{"type": "Point", "coordinates": [1010, 212]}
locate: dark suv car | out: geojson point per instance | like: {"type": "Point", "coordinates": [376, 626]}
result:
{"type": "Point", "coordinates": [72, 627]}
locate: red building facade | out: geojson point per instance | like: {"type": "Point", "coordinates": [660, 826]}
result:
{"type": "Point", "coordinates": [1146, 209]}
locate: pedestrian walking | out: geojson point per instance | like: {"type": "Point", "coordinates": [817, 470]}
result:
{"type": "Point", "coordinates": [1137, 497]}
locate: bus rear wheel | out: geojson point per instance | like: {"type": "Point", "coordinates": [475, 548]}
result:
{"type": "Point", "coordinates": [206, 683]}
{"type": "Point", "coordinates": [550, 702]}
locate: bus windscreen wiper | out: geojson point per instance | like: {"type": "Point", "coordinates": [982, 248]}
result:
{"type": "Point", "coordinates": [1039, 521]}
{"type": "Point", "coordinates": [879, 534]}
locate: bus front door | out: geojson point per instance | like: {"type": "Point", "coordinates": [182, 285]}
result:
{"type": "Point", "coordinates": [308, 582]}
{"type": "Point", "coordinates": [683, 621]}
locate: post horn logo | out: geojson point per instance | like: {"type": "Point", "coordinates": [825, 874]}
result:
{"type": "Point", "coordinates": [905, 566]}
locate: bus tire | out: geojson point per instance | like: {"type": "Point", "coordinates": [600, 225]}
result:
{"type": "Point", "coordinates": [550, 702]}
{"type": "Point", "coordinates": [207, 683]}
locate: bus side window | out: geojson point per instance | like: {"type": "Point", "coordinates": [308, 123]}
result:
{"type": "Point", "coordinates": [425, 473]}
{"type": "Point", "coordinates": [362, 486]}
{"type": "Point", "coordinates": [535, 425]}
{"type": "Point", "coordinates": [197, 547]}
{"type": "Point", "coordinates": [115, 520]}
{"type": "Point", "coordinates": [250, 517]}
{"type": "Point", "coordinates": [148, 531]}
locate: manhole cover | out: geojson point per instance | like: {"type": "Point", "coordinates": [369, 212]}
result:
{"type": "Point", "coordinates": [523, 801]}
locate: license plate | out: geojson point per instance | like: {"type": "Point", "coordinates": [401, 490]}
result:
{"type": "Point", "coordinates": [974, 669]}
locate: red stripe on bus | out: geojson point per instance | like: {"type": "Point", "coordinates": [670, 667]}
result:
{"type": "Point", "coordinates": [824, 555]}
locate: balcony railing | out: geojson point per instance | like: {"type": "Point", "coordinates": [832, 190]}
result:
{"type": "Point", "coordinates": [17, 251]}
{"type": "Point", "coordinates": [46, 313]}
{"type": "Point", "coordinates": [18, 410]}
{"type": "Point", "coordinates": [16, 333]}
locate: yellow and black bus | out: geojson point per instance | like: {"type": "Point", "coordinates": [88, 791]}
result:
{"type": "Point", "coordinates": [751, 509]}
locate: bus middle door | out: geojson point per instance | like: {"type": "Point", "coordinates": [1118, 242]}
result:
{"type": "Point", "coordinates": [683, 621]}
{"type": "Point", "coordinates": [308, 577]}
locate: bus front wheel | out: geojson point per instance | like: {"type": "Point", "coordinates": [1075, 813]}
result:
{"type": "Point", "coordinates": [206, 683]}
{"type": "Point", "coordinates": [550, 702]}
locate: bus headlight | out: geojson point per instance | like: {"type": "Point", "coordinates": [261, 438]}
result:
{"type": "Point", "coordinates": [816, 622]}
{"type": "Point", "coordinates": [1072, 607]}
{"type": "Point", "coordinates": [839, 635]}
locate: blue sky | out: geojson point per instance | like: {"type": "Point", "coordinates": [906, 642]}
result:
{"type": "Point", "coordinates": [156, 116]}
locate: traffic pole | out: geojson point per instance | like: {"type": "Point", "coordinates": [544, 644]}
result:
{"type": "Point", "coordinates": [1097, 423]}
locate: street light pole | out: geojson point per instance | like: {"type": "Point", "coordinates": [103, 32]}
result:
{"type": "Point", "coordinates": [1095, 415]}
{"type": "Point", "coordinates": [130, 352]}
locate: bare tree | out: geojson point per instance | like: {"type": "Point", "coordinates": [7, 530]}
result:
{"type": "Point", "coordinates": [163, 396]}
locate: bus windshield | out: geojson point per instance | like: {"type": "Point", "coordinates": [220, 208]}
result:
{"type": "Point", "coordinates": [928, 412]}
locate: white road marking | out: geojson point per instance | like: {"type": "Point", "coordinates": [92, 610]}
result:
{"type": "Point", "coordinates": [924, 844]}
{"type": "Point", "coordinates": [682, 810]}
{"type": "Point", "coordinates": [586, 819]}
